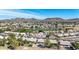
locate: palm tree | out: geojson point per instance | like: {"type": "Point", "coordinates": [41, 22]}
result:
{"type": "Point", "coordinates": [58, 42]}
{"type": "Point", "coordinates": [57, 38]}
{"type": "Point", "coordinates": [47, 42]}
{"type": "Point", "coordinates": [56, 26]}
{"type": "Point", "coordinates": [74, 24]}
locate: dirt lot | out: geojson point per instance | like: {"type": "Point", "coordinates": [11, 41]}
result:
{"type": "Point", "coordinates": [33, 48]}
{"type": "Point", "coordinates": [3, 48]}
{"type": "Point", "coordinates": [26, 48]}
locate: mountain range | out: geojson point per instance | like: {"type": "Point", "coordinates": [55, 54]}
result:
{"type": "Point", "coordinates": [44, 20]}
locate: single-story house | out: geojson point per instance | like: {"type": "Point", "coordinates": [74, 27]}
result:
{"type": "Point", "coordinates": [54, 41]}
{"type": "Point", "coordinates": [65, 43]}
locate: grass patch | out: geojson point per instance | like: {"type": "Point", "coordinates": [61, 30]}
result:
{"type": "Point", "coordinates": [24, 30]}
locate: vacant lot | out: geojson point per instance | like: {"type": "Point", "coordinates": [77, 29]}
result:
{"type": "Point", "coordinates": [3, 48]}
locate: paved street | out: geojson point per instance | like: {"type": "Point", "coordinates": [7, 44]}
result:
{"type": "Point", "coordinates": [76, 38]}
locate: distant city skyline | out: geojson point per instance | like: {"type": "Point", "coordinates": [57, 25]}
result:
{"type": "Point", "coordinates": [39, 13]}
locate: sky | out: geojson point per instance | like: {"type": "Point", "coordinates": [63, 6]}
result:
{"type": "Point", "coordinates": [39, 13]}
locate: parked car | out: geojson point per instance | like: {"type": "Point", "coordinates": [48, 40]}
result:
{"type": "Point", "coordinates": [41, 46]}
{"type": "Point", "coordinates": [11, 47]}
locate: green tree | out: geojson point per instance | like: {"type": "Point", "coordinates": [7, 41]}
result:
{"type": "Point", "coordinates": [47, 43]}
{"type": "Point", "coordinates": [13, 41]}
{"type": "Point", "coordinates": [76, 45]}
{"type": "Point", "coordinates": [1, 30]}
{"type": "Point", "coordinates": [1, 42]}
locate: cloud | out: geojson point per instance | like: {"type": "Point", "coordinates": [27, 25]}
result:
{"type": "Point", "coordinates": [13, 14]}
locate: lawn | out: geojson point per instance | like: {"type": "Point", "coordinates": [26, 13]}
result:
{"type": "Point", "coordinates": [24, 30]}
